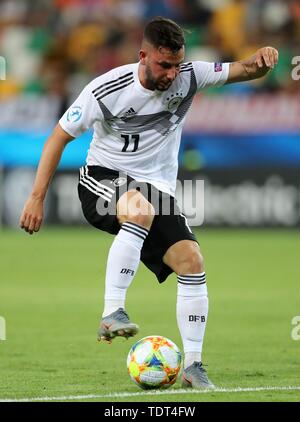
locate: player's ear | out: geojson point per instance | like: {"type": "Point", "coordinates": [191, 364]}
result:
{"type": "Point", "coordinates": [142, 57]}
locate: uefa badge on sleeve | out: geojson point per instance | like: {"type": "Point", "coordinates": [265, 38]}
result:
{"type": "Point", "coordinates": [74, 114]}
{"type": "Point", "coordinates": [218, 67]}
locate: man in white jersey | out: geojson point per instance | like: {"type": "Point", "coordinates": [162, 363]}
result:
{"type": "Point", "coordinates": [137, 112]}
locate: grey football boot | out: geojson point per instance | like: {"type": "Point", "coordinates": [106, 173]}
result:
{"type": "Point", "coordinates": [116, 324]}
{"type": "Point", "coordinates": [195, 376]}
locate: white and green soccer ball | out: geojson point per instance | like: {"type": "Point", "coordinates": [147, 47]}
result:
{"type": "Point", "coordinates": [154, 362]}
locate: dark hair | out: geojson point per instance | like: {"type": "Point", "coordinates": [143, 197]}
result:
{"type": "Point", "coordinates": [162, 32]}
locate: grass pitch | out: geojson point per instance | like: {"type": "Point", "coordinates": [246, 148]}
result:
{"type": "Point", "coordinates": [51, 295]}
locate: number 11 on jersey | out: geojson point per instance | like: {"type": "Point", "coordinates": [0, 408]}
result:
{"type": "Point", "coordinates": [128, 140]}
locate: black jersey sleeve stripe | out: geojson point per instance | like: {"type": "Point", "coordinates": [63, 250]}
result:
{"type": "Point", "coordinates": [186, 70]}
{"type": "Point", "coordinates": [114, 90]}
{"type": "Point", "coordinates": [186, 67]}
{"type": "Point", "coordinates": [186, 64]}
{"type": "Point", "coordinates": [130, 78]}
{"type": "Point", "coordinates": [112, 82]}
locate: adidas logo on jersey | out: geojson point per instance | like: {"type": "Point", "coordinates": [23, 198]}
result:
{"type": "Point", "coordinates": [130, 113]}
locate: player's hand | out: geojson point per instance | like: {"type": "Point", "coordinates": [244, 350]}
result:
{"type": "Point", "coordinates": [32, 215]}
{"type": "Point", "coordinates": [267, 57]}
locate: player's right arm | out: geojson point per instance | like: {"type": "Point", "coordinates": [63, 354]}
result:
{"type": "Point", "coordinates": [33, 212]}
{"type": "Point", "coordinates": [80, 116]}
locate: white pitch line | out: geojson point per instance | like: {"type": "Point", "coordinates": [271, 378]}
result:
{"type": "Point", "coordinates": [153, 393]}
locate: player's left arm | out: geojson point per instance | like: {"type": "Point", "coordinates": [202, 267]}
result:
{"type": "Point", "coordinates": [255, 67]}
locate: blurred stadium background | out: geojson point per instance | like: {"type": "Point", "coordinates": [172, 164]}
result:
{"type": "Point", "coordinates": [243, 140]}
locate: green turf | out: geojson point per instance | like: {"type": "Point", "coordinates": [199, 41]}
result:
{"type": "Point", "coordinates": [51, 294]}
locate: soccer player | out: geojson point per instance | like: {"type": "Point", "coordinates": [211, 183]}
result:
{"type": "Point", "coordinates": [137, 112]}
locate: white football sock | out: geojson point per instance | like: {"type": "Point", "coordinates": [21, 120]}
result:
{"type": "Point", "coordinates": [122, 264]}
{"type": "Point", "coordinates": [192, 311]}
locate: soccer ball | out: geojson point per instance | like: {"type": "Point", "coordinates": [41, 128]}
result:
{"type": "Point", "coordinates": [154, 362]}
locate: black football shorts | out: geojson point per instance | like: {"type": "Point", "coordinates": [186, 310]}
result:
{"type": "Point", "coordinates": [99, 190]}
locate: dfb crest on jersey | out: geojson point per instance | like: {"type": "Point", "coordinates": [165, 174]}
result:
{"type": "Point", "coordinates": [174, 101]}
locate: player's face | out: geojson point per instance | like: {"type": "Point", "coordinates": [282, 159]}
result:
{"type": "Point", "coordinates": [161, 67]}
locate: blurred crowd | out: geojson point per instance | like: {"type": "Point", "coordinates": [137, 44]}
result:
{"type": "Point", "coordinates": [57, 46]}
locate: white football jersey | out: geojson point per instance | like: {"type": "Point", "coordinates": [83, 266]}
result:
{"type": "Point", "coordinates": [137, 131]}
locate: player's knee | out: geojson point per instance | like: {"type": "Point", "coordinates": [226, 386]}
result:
{"type": "Point", "coordinates": [190, 263]}
{"type": "Point", "coordinates": [134, 207]}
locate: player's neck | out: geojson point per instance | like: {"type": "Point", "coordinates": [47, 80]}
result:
{"type": "Point", "coordinates": [142, 77]}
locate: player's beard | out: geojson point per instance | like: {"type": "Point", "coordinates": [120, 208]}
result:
{"type": "Point", "coordinates": [155, 84]}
